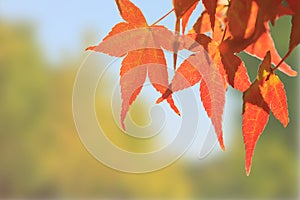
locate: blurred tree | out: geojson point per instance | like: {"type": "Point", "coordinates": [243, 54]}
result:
{"type": "Point", "coordinates": [41, 154]}
{"type": "Point", "coordinates": [22, 101]}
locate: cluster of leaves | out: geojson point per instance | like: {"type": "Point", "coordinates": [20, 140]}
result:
{"type": "Point", "coordinates": [223, 29]}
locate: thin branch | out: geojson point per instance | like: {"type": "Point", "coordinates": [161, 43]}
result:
{"type": "Point", "coordinates": [283, 59]}
{"type": "Point", "coordinates": [163, 17]}
{"type": "Point", "coordinates": [224, 34]}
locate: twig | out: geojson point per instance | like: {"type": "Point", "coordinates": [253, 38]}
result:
{"type": "Point", "coordinates": [283, 59]}
{"type": "Point", "coordinates": [225, 30]}
{"type": "Point", "coordinates": [163, 17]}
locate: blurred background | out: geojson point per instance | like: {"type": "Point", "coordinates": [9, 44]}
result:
{"type": "Point", "coordinates": [42, 47]}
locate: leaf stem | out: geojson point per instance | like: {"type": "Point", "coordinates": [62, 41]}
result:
{"type": "Point", "coordinates": [283, 59]}
{"type": "Point", "coordinates": [224, 34]}
{"type": "Point", "coordinates": [157, 21]}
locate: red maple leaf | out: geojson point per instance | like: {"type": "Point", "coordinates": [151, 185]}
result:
{"type": "Point", "coordinates": [250, 31]}
{"type": "Point", "coordinates": [238, 16]}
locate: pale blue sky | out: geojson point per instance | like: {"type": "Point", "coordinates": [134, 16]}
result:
{"type": "Point", "coordinates": [61, 25]}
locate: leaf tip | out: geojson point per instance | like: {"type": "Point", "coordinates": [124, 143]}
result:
{"type": "Point", "coordinates": [248, 167]}
{"type": "Point", "coordinates": [123, 126]}
{"type": "Point", "coordinates": [248, 170]}
{"type": "Point", "coordinates": [248, 161]}
{"type": "Point", "coordinates": [223, 147]}
{"type": "Point", "coordinates": [286, 122]}
{"type": "Point", "coordinates": [91, 48]}
{"type": "Point", "coordinates": [161, 99]}
{"type": "Point", "coordinates": [293, 73]}
{"type": "Point", "coordinates": [221, 142]}
{"type": "Point", "coordinates": [173, 106]}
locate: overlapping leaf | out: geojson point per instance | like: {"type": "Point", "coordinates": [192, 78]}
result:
{"type": "Point", "coordinates": [238, 17]}
{"type": "Point", "coordinates": [211, 6]}
{"type": "Point", "coordinates": [265, 43]}
{"type": "Point", "coordinates": [231, 66]}
{"type": "Point", "coordinates": [187, 15]}
{"type": "Point", "coordinates": [251, 32]}
{"type": "Point", "coordinates": [183, 10]}
{"type": "Point", "coordinates": [223, 29]}
{"type": "Point", "coordinates": [265, 94]}
{"type": "Point", "coordinates": [183, 6]}
{"type": "Point", "coordinates": [200, 68]}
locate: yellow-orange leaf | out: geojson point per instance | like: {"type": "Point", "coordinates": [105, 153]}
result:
{"type": "Point", "coordinates": [274, 95]}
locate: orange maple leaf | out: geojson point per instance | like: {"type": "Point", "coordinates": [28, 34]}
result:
{"type": "Point", "coordinates": [265, 94]}
{"type": "Point", "coordinates": [231, 66]}
{"type": "Point", "coordinates": [144, 54]}
{"type": "Point", "coordinates": [200, 68]}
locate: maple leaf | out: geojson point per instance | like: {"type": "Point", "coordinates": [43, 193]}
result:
{"type": "Point", "coordinates": [265, 94]}
{"type": "Point", "coordinates": [142, 44]}
{"type": "Point", "coordinates": [183, 9]}
{"type": "Point", "coordinates": [183, 6]}
{"type": "Point", "coordinates": [255, 117]}
{"type": "Point", "coordinates": [202, 24]}
{"type": "Point", "coordinates": [211, 6]}
{"type": "Point", "coordinates": [130, 13]}
{"type": "Point", "coordinates": [223, 29]}
{"type": "Point", "coordinates": [251, 31]}
{"type": "Point", "coordinates": [231, 66]}
{"type": "Point", "coordinates": [236, 72]}
{"type": "Point", "coordinates": [199, 68]}
{"type": "Point", "coordinates": [187, 15]}
{"type": "Point", "coordinates": [274, 95]}
{"type": "Point", "coordinates": [265, 43]}
{"type": "Point", "coordinates": [125, 37]}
